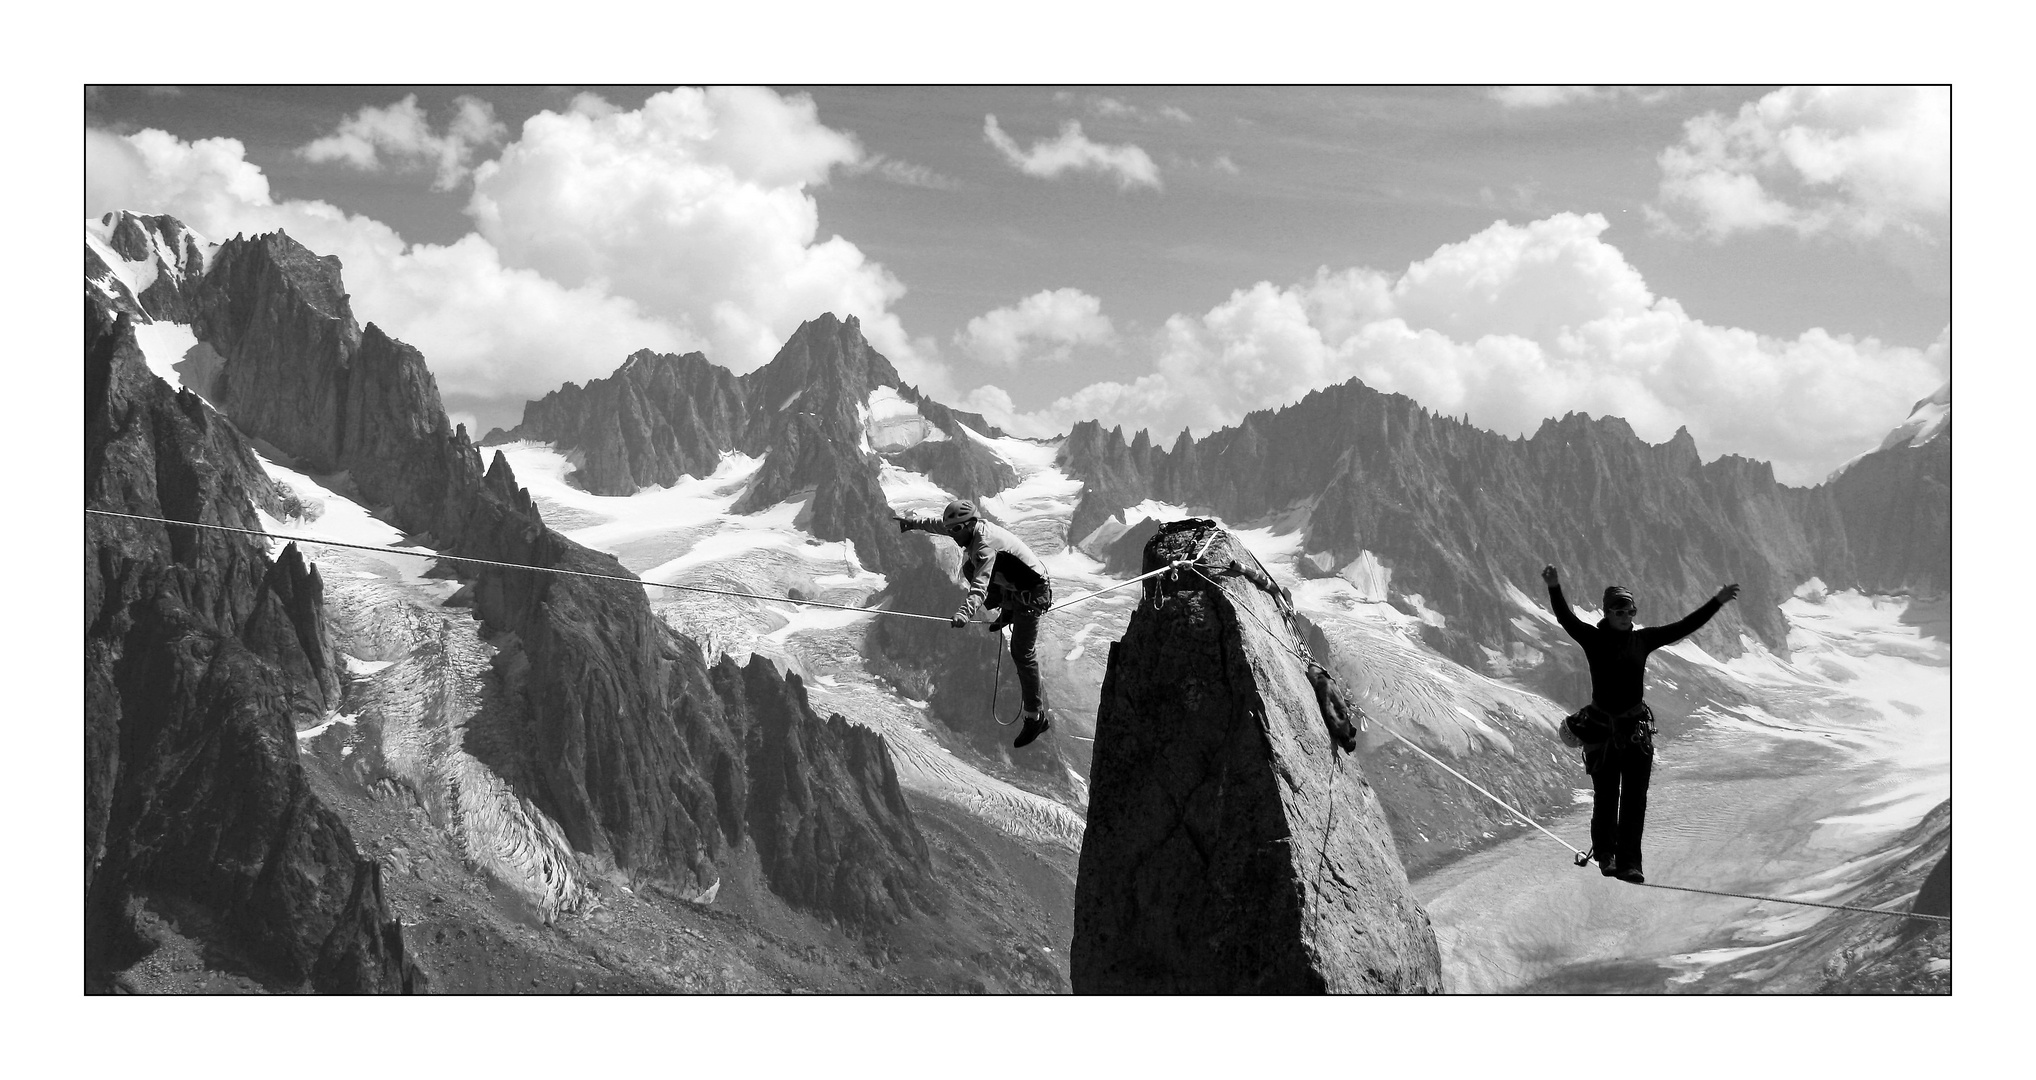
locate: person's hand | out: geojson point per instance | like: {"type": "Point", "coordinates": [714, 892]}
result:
{"type": "Point", "coordinates": [1549, 576]}
{"type": "Point", "coordinates": [1728, 594]}
{"type": "Point", "coordinates": [961, 619]}
{"type": "Point", "coordinates": [903, 525]}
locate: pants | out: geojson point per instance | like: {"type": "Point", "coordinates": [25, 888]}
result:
{"type": "Point", "coordinates": [1619, 775]}
{"type": "Point", "coordinates": [1024, 611]}
{"type": "Point", "coordinates": [1024, 657]}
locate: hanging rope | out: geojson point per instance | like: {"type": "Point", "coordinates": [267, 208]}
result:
{"type": "Point", "coordinates": [1537, 825]}
{"type": "Point", "coordinates": [996, 686]}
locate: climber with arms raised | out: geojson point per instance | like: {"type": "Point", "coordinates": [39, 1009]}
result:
{"type": "Point", "coordinates": [1001, 572]}
{"type": "Point", "coordinates": [1616, 730]}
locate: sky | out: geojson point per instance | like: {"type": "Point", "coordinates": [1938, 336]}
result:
{"type": "Point", "coordinates": [1767, 266]}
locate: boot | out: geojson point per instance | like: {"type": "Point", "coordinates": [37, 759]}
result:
{"type": "Point", "coordinates": [1036, 724]}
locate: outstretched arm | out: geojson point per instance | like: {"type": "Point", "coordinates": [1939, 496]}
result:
{"type": "Point", "coordinates": [908, 523]}
{"type": "Point", "coordinates": [1560, 605]}
{"type": "Point", "coordinates": [1657, 636]}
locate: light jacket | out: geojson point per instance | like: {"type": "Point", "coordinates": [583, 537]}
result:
{"type": "Point", "coordinates": [991, 555]}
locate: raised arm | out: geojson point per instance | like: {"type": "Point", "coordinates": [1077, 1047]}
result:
{"type": "Point", "coordinates": [1575, 626]}
{"type": "Point", "coordinates": [1656, 636]}
{"type": "Point", "coordinates": [909, 523]}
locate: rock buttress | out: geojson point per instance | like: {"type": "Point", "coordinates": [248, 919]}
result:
{"type": "Point", "coordinates": [1229, 850]}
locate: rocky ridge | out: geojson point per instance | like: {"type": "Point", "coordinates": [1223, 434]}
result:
{"type": "Point", "coordinates": [201, 658]}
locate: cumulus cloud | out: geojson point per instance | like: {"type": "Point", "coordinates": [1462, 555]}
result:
{"type": "Point", "coordinates": [401, 136]}
{"type": "Point", "coordinates": [1514, 324]}
{"type": "Point", "coordinates": [1042, 328]}
{"type": "Point", "coordinates": [1855, 161]}
{"type": "Point", "coordinates": [490, 332]}
{"type": "Point", "coordinates": [1073, 151]}
{"type": "Point", "coordinates": [694, 207]}
{"type": "Point", "coordinates": [682, 225]}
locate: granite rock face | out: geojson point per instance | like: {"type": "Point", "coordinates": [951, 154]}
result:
{"type": "Point", "coordinates": [830, 822]}
{"type": "Point", "coordinates": [1230, 848]}
{"type": "Point", "coordinates": [659, 417]}
{"type": "Point", "coordinates": [201, 657]}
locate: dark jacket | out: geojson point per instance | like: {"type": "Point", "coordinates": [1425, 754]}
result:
{"type": "Point", "coordinates": [990, 555]}
{"type": "Point", "coordinates": [1618, 658]}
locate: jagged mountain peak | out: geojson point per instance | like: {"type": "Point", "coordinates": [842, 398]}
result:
{"type": "Point", "coordinates": [146, 264]}
{"type": "Point", "coordinates": [826, 360]}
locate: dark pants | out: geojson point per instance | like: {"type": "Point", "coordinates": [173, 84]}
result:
{"type": "Point", "coordinates": [1619, 775]}
{"type": "Point", "coordinates": [1024, 657]}
{"type": "Point", "coordinates": [1024, 612]}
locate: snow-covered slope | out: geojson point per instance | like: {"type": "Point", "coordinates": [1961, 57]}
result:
{"type": "Point", "coordinates": [688, 534]}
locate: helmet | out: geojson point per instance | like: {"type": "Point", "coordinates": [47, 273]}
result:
{"type": "Point", "coordinates": [959, 512]}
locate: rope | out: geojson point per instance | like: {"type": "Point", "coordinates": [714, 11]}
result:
{"type": "Point", "coordinates": [1804, 903]}
{"type": "Point", "coordinates": [519, 566]}
{"type": "Point", "coordinates": [1530, 821]}
{"type": "Point", "coordinates": [996, 686]}
{"type": "Point", "coordinates": [1113, 588]}
{"type": "Point", "coordinates": [1438, 761]}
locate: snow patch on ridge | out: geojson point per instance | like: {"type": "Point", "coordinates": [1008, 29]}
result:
{"type": "Point", "coordinates": [890, 423]}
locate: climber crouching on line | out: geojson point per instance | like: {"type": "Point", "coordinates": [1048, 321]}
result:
{"type": "Point", "coordinates": [1617, 726]}
{"type": "Point", "coordinates": [1002, 573]}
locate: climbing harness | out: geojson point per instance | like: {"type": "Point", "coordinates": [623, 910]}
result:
{"type": "Point", "coordinates": [1580, 856]}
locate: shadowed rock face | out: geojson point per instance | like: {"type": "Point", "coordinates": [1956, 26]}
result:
{"type": "Point", "coordinates": [830, 822]}
{"type": "Point", "coordinates": [1229, 850]}
{"type": "Point", "coordinates": [200, 657]}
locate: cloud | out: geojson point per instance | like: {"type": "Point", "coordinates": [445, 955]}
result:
{"type": "Point", "coordinates": [1849, 161]}
{"type": "Point", "coordinates": [682, 225]}
{"type": "Point", "coordinates": [1514, 324]}
{"type": "Point", "coordinates": [1042, 328]}
{"type": "Point", "coordinates": [903, 172]}
{"type": "Point", "coordinates": [403, 134]}
{"type": "Point", "coordinates": [696, 208]}
{"type": "Point", "coordinates": [1074, 152]}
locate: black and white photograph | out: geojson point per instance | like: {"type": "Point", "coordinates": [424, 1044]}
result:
{"type": "Point", "coordinates": [1139, 539]}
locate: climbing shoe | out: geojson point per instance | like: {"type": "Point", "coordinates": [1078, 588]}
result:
{"type": "Point", "coordinates": [1606, 868]}
{"type": "Point", "coordinates": [1035, 726]}
{"type": "Point", "coordinates": [1632, 874]}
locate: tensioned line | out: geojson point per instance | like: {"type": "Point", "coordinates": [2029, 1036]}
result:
{"type": "Point", "coordinates": [586, 574]}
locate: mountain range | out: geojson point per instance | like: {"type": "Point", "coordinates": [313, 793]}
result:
{"type": "Point", "coordinates": [317, 767]}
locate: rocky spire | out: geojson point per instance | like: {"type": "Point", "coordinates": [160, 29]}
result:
{"type": "Point", "coordinates": [1230, 848]}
